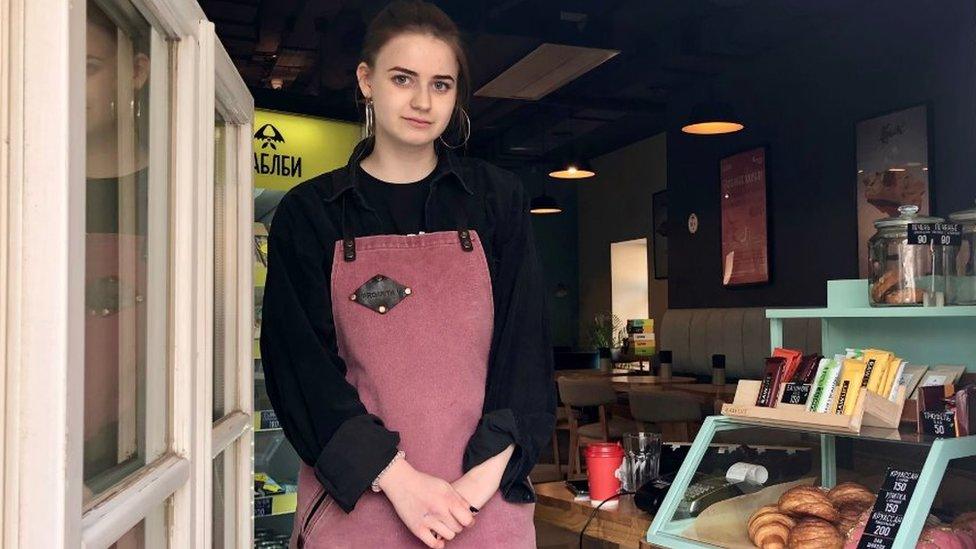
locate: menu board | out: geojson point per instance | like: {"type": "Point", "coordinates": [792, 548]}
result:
{"type": "Point", "coordinates": [889, 509]}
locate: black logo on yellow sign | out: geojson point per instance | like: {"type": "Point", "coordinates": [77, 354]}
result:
{"type": "Point", "coordinates": [269, 135]}
{"type": "Point", "coordinates": [272, 163]}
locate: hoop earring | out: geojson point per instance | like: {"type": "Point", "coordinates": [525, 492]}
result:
{"type": "Point", "coordinates": [464, 123]}
{"type": "Point", "coordinates": [370, 126]}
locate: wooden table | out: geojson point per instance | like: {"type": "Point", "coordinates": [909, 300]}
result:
{"type": "Point", "coordinates": [626, 383]}
{"type": "Point", "coordinates": [601, 373]}
{"type": "Point", "coordinates": [705, 393]}
{"type": "Point", "coordinates": [626, 525]}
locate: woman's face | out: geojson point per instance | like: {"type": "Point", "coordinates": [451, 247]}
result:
{"type": "Point", "coordinates": [413, 86]}
{"type": "Point", "coordinates": [102, 104]}
{"type": "Point", "coordinates": [101, 80]}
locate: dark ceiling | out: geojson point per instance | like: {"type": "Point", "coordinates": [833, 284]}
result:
{"type": "Point", "coordinates": [668, 48]}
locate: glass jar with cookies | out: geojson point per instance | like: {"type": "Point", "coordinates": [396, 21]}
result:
{"type": "Point", "coordinates": [961, 289]}
{"type": "Point", "coordinates": [904, 271]}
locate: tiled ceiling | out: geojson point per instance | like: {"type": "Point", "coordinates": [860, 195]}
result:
{"type": "Point", "coordinates": [310, 49]}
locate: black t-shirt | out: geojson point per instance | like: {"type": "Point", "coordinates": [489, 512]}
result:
{"type": "Point", "coordinates": [399, 205]}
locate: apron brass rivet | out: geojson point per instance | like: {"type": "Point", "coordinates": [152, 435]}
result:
{"type": "Point", "coordinates": [352, 297]}
{"type": "Point", "coordinates": [382, 309]}
{"type": "Point", "coordinates": [407, 291]}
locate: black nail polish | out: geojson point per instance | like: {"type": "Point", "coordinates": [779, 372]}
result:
{"type": "Point", "coordinates": [472, 508]}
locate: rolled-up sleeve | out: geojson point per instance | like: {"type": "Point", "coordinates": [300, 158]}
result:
{"type": "Point", "coordinates": [321, 413]}
{"type": "Point", "coordinates": [520, 399]}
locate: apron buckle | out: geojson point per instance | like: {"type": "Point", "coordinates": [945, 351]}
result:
{"type": "Point", "coordinates": [465, 237]}
{"type": "Point", "coordinates": [349, 249]}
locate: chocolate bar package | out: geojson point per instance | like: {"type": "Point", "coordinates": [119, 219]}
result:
{"type": "Point", "coordinates": [792, 361]}
{"type": "Point", "coordinates": [807, 369]}
{"type": "Point", "coordinates": [772, 378]}
{"type": "Point", "coordinates": [966, 411]}
{"type": "Point", "coordinates": [933, 399]}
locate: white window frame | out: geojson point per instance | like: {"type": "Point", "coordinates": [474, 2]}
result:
{"type": "Point", "coordinates": [232, 434]}
{"type": "Point", "coordinates": [42, 220]}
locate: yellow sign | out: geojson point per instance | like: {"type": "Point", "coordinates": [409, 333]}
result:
{"type": "Point", "coordinates": [290, 148]}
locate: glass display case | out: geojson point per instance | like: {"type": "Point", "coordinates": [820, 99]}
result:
{"type": "Point", "coordinates": [710, 505]}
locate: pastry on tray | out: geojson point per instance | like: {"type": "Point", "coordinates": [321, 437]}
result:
{"type": "Point", "coordinates": [769, 528]}
{"type": "Point", "coordinates": [814, 533]}
{"type": "Point", "coordinates": [808, 501]}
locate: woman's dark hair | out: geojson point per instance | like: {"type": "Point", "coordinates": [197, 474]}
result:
{"type": "Point", "coordinates": [415, 16]}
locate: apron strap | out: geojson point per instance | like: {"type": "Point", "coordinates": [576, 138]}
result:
{"type": "Point", "coordinates": [348, 241]}
{"type": "Point", "coordinates": [461, 218]}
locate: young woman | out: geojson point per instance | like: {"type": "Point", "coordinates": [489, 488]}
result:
{"type": "Point", "coordinates": [404, 331]}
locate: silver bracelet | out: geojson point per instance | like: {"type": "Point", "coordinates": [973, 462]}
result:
{"type": "Point", "coordinates": [375, 485]}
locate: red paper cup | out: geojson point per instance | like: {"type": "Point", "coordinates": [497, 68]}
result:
{"type": "Point", "coordinates": [602, 461]}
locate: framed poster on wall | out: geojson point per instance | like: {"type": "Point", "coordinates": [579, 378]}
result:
{"type": "Point", "coordinates": [892, 170]}
{"type": "Point", "coordinates": [745, 246]}
{"type": "Point", "coordinates": [659, 220]}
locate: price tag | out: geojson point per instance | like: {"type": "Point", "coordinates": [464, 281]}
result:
{"type": "Point", "coordinates": [269, 420]}
{"type": "Point", "coordinates": [796, 393]}
{"type": "Point", "coordinates": [940, 423]}
{"type": "Point", "coordinates": [889, 509]}
{"type": "Point", "coordinates": [945, 234]}
{"type": "Point", "coordinates": [262, 507]}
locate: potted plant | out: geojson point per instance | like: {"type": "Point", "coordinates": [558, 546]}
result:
{"type": "Point", "coordinates": [604, 335]}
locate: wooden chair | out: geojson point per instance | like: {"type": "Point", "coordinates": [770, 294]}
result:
{"type": "Point", "coordinates": [676, 416]}
{"type": "Point", "coordinates": [562, 424]}
{"type": "Point", "coordinates": [577, 392]}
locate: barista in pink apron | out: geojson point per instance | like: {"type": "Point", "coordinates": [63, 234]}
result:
{"type": "Point", "coordinates": [415, 361]}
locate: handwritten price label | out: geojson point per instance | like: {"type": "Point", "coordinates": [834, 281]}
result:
{"type": "Point", "coordinates": [889, 509]}
{"type": "Point", "coordinates": [796, 393]}
{"type": "Point", "coordinates": [944, 234]}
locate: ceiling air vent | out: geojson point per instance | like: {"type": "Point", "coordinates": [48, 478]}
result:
{"type": "Point", "coordinates": [547, 68]}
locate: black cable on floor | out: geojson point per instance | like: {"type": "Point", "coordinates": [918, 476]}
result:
{"type": "Point", "coordinates": [597, 508]}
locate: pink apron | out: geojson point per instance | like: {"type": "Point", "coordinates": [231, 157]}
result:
{"type": "Point", "coordinates": [420, 365]}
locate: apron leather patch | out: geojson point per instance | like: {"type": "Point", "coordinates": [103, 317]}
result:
{"type": "Point", "coordinates": [380, 294]}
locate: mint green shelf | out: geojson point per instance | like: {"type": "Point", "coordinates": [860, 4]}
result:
{"type": "Point", "coordinates": [875, 312]}
{"type": "Point", "coordinates": [922, 335]}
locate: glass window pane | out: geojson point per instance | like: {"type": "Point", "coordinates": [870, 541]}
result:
{"type": "Point", "coordinates": [148, 534]}
{"type": "Point", "coordinates": [125, 244]}
{"type": "Point", "coordinates": [222, 501]}
{"type": "Point", "coordinates": [219, 299]}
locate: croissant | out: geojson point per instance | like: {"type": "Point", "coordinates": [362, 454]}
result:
{"type": "Point", "coordinates": [849, 516]}
{"type": "Point", "coordinates": [814, 533]}
{"type": "Point", "coordinates": [806, 500]}
{"type": "Point", "coordinates": [772, 536]}
{"type": "Point", "coordinates": [851, 494]}
{"type": "Point", "coordinates": [769, 528]}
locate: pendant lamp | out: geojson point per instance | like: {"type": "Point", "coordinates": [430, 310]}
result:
{"type": "Point", "coordinates": [712, 118]}
{"type": "Point", "coordinates": [544, 204]}
{"type": "Point", "coordinates": [573, 169]}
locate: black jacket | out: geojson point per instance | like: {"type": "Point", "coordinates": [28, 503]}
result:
{"type": "Point", "coordinates": [320, 412]}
